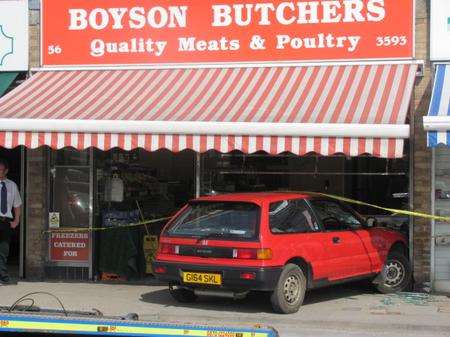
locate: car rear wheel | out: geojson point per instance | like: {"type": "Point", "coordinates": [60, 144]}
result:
{"type": "Point", "coordinates": [396, 274]}
{"type": "Point", "coordinates": [290, 290]}
{"type": "Point", "coordinates": [182, 295]}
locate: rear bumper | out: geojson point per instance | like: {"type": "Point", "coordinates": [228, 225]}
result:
{"type": "Point", "coordinates": [265, 278]}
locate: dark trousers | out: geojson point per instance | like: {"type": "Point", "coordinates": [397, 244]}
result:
{"type": "Point", "coordinates": [5, 237]}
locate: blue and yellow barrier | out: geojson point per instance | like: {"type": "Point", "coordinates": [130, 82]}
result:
{"type": "Point", "coordinates": [20, 323]}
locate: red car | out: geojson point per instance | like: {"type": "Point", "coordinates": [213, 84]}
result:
{"type": "Point", "coordinates": [282, 243]}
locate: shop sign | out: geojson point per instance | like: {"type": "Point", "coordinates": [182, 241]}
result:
{"type": "Point", "coordinates": [440, 30]}
{"type": "Point", "coordinates": [168, 32]}
{"type": "Point", "coordinates": [13, 35]}
{"type": "Point", "coordinates": [69, 247]}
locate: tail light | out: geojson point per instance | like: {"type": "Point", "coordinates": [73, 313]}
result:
{"type": "Point", "coordinates": [252, 253]}
{"type": "Point", "coordinates": [168, 248]}
{"type": "Point", "coordinates": [244, 253]}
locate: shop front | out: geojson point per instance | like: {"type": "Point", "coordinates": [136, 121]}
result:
{"type": "Point", "coordinates": [437, 125]}
{"type": "Point", "coordinates": [120, 142]}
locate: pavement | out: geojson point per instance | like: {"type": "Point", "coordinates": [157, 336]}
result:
{"type": "Point", "coordinates": [346, 310]}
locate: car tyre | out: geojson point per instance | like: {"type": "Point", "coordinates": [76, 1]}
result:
{"type": "Point", "coordinates": [396, 274]}
{"type": "Point", "coordinates": [182, 295]}
{"type": "Point", "coordinates": [290, 290]}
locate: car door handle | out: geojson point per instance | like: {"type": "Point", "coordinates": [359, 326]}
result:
{"type": "Point", "coordinates": [336, 239]}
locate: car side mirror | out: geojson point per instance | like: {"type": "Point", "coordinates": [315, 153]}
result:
{"type": "Point", "coordinates": [371, 222]}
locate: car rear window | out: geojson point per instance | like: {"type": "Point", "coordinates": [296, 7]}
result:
{"type": "Point", "coordinates": [218, 220]}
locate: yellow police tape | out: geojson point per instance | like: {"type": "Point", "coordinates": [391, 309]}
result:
{"type": "Point", "coordinates": [318, 194]}
{"type": "Point", "coordinates": [392, 210]}
{"type": "Point", "coordinates": [84, 230]}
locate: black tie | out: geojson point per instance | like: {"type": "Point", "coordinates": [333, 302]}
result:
{"type": "Point", "coordinates": [4, 198]}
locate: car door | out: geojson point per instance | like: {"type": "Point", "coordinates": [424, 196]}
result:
{"type": "Point", "coordinates": [295, 233]}
{"type": "Point", "coordinates": [346, 254]}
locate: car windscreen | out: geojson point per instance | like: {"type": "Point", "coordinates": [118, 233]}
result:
{"type": "Point", "coordinates": [218, 220]}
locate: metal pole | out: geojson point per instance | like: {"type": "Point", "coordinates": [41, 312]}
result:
{"type": "Point", "coordinates": [411, 188]}
{"type": "Point", "coordinates": [24, 210]}
{"type": "Point", "coordinates": [433, 222]}
{"type": "Point", "coordinates": [198, 157]}
{"type": "Point", "coordinates": [91, 209]}
{"type": "Point", "coordinates": [234, 172]}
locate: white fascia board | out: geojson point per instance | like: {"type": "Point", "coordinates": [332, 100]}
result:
{"type": "Point", "coordinates": [208, 128]}
{"type": "Point", "coordinates": [436, 123]}
{"type": "Point", "coordinates": [230, 65]}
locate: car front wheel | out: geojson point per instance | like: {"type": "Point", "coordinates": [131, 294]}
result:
{"type": "Point", "coordinates": [396, 274]}
{"type": "Point", "coordinates": [290, 290]}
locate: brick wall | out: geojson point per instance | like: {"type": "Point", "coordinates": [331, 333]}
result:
{"type": "Point", "coordinates": [421, 154]}
{"type": "Point", "coordinates": [34, 38]}
{"type": "Point", "coordinates": [36, 248]}
{"type": "Point", "coordinates": [36, 213]}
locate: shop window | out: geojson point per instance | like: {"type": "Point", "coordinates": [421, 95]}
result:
{"type": "Point", "coordinates": [70, 157]}
{"type": "Point", "coordinates": [113, 189]}
{"type": "Point", "coordinates": [397, 166]}
{"type": "Point", "coordinates": [367, 164]}
{"type": "Point", "coordinates": [133, 186]}
{"type": "Point", "coordinates": [330, 164]}
{"type": "Point", "coordinates": [70, 192]}
{"type": "Point", "coordinates": [374, 180]}
{"type": "Point", "coordinates": [71, 196]}
{"type": "Point", "coordinates": [155, 184]}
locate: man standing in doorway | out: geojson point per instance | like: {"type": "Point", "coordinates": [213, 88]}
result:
{"type": "Point", "coordinates": [9, 199]}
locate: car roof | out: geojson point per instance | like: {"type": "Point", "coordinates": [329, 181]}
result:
{"type": "Point", "coordinates": [255, 197]}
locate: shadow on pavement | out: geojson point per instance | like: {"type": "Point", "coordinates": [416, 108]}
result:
{"type": "Point", "coordinates": [258, 302]}
{"type": "Point", "coordinates": [254, 303]}
{"type": "Point", "coordinates": [336, 292]}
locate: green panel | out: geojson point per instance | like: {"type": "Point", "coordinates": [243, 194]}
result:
{"type": "Point", "coordinates": [5, 81]}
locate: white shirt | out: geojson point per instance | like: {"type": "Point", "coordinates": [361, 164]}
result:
{"type": "Point", "coordinates": [13, 200]}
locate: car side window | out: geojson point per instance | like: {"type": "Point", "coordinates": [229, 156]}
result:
{"type": "Point", "coordinates": [334, 216]}
{"type": "Point", "coordinates": [291, 216]}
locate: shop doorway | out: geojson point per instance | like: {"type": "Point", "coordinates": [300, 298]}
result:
{"type": "Point", "coordinates": [15, 159]}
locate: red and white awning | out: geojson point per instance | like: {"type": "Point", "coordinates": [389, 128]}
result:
{"type": "Point", "coordinates": [354, 109]}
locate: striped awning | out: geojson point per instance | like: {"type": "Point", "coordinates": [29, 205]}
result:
{"type": "Point", "coordinates": [437, 123]}
{"type": "Point", "coordinates": [354, 109]}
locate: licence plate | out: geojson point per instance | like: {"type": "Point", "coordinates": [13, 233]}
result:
{"type": "Point", "coordinates": [202, 278]}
